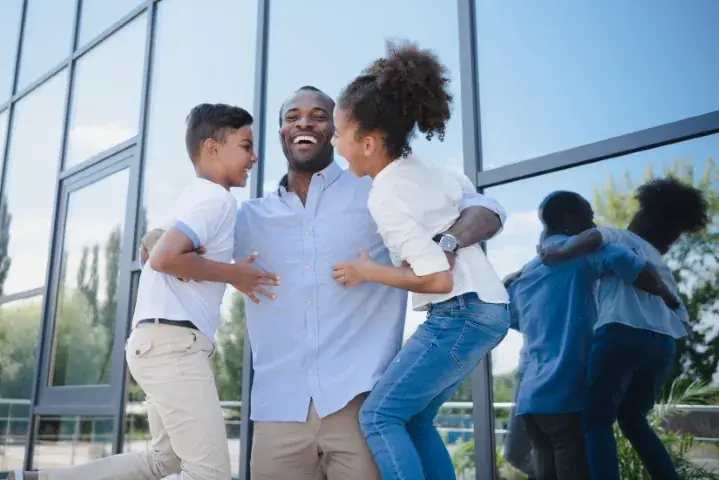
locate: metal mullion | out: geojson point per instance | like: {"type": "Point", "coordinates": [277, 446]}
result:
{"type": "Point", "coordinates": [260, 113]}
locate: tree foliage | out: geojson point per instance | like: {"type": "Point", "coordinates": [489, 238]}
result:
{"type": "Point", "coordinates": [694, 260]}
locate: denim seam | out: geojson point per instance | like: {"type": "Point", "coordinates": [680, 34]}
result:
{"type": "Point", "coordinates": [379, 407]}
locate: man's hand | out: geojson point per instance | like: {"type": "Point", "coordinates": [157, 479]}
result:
{"type": "Point", "coordinates": [250, 280]}
{"type": "Point", "coordinates": [511, 278]}
{"type": "Point", "coordinates": [354, 272]}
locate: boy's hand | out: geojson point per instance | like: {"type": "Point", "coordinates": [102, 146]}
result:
{"type": "Point", "coordinates": [250, 280]}
{"type": "Point", "coordinates": [550, 254]}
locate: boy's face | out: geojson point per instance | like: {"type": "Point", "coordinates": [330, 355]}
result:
{"type": "Point", "coordinates": [236, 155]}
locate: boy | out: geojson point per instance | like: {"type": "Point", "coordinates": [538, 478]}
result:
{"type": "Point", "coordinates": [168, 352]}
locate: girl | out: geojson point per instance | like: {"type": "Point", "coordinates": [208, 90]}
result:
{"type": "Point", "coordinates": [412, 204]}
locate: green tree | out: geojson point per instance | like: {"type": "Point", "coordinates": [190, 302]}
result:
{"type": "Point", "coordinates": [227, 361]}
{"type": "Point", "coordinates": [5, 221]}
{"type": "Point", "coordinates": [693, 259]}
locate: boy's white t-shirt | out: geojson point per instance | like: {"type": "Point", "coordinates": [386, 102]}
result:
{"type": "Point", "coordinates": [206, 213]}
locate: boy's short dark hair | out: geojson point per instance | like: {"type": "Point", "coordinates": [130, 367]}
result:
{"type": "Point", "coordinates": [556, 204]}
{"type": "Point", "coordinates": [212, 121]}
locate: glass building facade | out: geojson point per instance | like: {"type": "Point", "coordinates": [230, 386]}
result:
{"type": "Point", "coordinates": [592, 97]}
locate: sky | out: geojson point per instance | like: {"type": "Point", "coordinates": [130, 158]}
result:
{"type": "Point", "coordinates": [553, 75]}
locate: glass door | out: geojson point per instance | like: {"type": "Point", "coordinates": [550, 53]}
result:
{"type": "Point", "coordinates": [78, 404]}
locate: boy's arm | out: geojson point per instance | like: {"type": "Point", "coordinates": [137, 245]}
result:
{"type": "Point", "coordinates": [586, 242]}
{"type": "Point", "coordinates": [175, 252]}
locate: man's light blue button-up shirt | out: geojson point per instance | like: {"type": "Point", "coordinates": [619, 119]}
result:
{"type": "Point", "coordinates": [554, 308]}
{"type": "Point", "coordinates": [318, 339]}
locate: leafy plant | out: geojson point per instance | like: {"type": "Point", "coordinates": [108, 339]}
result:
{"type": "Point", "coordinates": [679, 444]}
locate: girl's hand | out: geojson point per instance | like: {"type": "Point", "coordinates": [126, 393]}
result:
{"type": "Point", "coordinates": [354, 272]}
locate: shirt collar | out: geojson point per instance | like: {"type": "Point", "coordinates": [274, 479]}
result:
{"type": "Point", "coordinates": [385, 170]}
{"type": "Point", "coordinates": [330, 173]}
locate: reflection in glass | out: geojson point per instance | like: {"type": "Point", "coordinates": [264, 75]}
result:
{"type": "Point", "coordinates": [609, 186]}
{"type": "Point", "coordinates": [209, 75]}
{"type": "Point", "coordinates": [97, 15]}
{"type": "Point", "coordinates": [19, 326]}
{"type": "Point", "coordinates": [9, 33]}
{"type": "Point", "coordinates": [106, 93]}
{"type": "Point", "coordinates": [3, 129]}
{"type": "Point", "coordinates": [330, 68]}
{"type": "Point", "coordinates": [558, 76]}
{"type": "Point", "coordinates": [47, 38]}
{"type": "Point", "coordinates": [89, 273]}
{"type": "Point", "coordinates": [29, 193]}
{"type": "Point", "coordinates": [71, 440]}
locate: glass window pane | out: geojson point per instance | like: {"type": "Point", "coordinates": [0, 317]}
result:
{"type": "Point", "coordinates": [87, 293]}
{"type": "Point", "coordinates": [331, 68]}
{"type": "Point", "coordinates": [609, 185]}
{"type": "Point", "coordinates": [47, 38]}
{"type": "Point", "coordinates": [559, 75]}
{"type": "Point", "coordinates": [107, 93]}
{"type": "Point", "coordinates": [19, 327]}
{"type": "Point", "coordinates": [30, 182]}
{"type": "Point", "coordinates": [71, 440]}
{"type": "Point", "coordinates": [9, 33]}
{"type": "Point", "coordinates": [97, 15]}
{"type": "Point", "coordinates": [208, 75]}
{"type": "Point", "coordinates": [3, 130]}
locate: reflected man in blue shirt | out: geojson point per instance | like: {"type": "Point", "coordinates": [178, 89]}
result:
{"type": "Point", "coordinates": [554, 308]}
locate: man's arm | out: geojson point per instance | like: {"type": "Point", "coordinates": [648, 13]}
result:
{"type": "Point", "coordinates": [480, 218]}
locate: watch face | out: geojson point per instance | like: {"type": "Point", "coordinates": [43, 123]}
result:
{"type": "Point", "coordinates": [448, 244]}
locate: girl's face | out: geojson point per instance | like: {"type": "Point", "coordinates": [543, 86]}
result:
{"type": "Point", "coordinates": [348, 145]}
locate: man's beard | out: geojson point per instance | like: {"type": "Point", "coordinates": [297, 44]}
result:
{"type": "Point", "coordinates": [311, 164]}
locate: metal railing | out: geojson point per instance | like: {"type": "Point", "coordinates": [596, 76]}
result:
{"type": "Point", "coordinates": [74, 445]}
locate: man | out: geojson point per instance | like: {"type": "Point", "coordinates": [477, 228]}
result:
{"type": "Point", "coordinates": [319, 348]}
{"type": "Point", "coordinates": [555, 310]}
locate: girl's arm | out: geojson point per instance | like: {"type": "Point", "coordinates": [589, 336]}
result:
{"type": "Point", "coordinates": [429, 270]}
{"type": "Point", "coordinates": [364, 269]}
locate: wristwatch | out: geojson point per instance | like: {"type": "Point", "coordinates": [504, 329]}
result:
{"type": "Point", "coordinates": [448, 242]}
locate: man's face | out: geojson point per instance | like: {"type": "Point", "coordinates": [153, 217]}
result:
{"type": "Point", "coordinates": [307, 130]}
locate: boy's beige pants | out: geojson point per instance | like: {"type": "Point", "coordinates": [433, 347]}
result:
{"type": "Point", "coordinates": [172, 365]}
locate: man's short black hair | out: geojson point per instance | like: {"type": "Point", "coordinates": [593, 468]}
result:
{"type": "Point", "coordinates": [557, 204]}
{"type": "Point", "coordinates": [212, 121]}
{"type": "Point", "coordinates": [307, 88]}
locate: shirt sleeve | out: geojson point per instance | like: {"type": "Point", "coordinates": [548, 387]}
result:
{"type": "Point", "coordinates": [617, 259]}
{"type": "Point", "coordinates": [201, 220]}
{"type": "Point", "coordinates": [405, 237]}
{"type": "Point", "coordinates": [472, 198]}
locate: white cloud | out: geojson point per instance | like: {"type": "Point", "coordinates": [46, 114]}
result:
{"type": "Point", "coordinates": [88, 140]}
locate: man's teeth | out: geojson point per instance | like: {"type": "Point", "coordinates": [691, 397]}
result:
{"type": "Point", "coordinates": [304, 138]}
